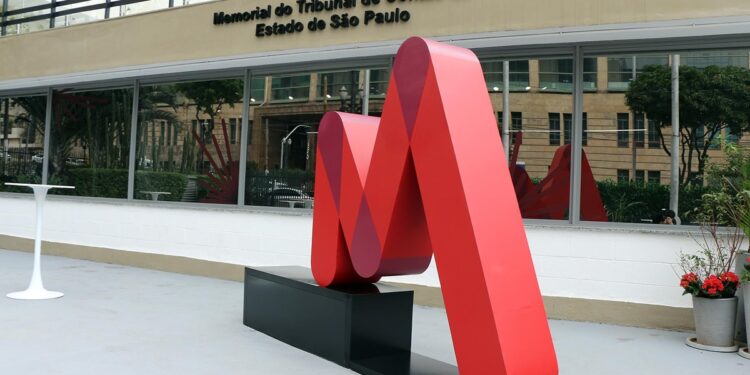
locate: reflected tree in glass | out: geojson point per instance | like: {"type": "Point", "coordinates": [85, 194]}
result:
{"type": "Point", "coordinates": [89, 141]}
{"type": "Point", "coordinates": [180, 149]}
{"type": "Point", "coordinates": [711, 99]}
{"type": "Point", "coordinates": [22, 136]}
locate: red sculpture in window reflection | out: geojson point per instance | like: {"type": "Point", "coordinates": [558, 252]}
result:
{"type": "Point", "coordinates": [430, 176]}
{"type": "Point", "coordinates": [222, 180]}
{"type": "Point", "coordinates": [549, 199]}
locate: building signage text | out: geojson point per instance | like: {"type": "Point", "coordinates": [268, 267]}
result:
{"type": "Point", "coordinates": [346, 16]}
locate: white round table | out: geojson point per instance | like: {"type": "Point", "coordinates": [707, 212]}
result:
{"type": "Point", "coordinates": [36, 288]}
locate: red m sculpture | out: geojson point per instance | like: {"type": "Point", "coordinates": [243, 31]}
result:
{"type": "Point", "coordinates": [430, 177]}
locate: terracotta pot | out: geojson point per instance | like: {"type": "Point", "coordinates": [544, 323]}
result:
{"type": "Point", "coordinates": [714, 320]}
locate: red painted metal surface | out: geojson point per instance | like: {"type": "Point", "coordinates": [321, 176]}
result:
{"type": "Point", "coordinates": [549, 199]}
{"type": "Point", "coordinates": [429, 177]}
{"type": "Point", "coordinates": [222, 181]}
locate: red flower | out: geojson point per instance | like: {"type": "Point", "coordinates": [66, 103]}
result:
{"type": "Point", "coordinates": [729, 277]}
{"type": "Point", "coordinates": [713, 286]}
{"type": "Point", "coordinates": [687, 279]}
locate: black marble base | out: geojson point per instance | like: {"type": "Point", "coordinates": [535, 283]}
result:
{"type": "Point", "coordinates": [402, 364]}
{"type": "Point", "coordinates": [365, 328]}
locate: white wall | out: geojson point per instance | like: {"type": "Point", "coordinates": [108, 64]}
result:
{"type": "Point", "coordinates": [592, 263]}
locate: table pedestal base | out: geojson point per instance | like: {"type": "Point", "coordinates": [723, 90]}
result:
{"type": "Point", "coordinates": [36, 293]}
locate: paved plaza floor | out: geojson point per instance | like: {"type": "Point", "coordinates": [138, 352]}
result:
{"type": "Point", "coordinates": [123, 320]}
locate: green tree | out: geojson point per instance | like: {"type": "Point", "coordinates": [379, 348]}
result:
{"type": "Point", "coordinates": [156, 103]}
{"type": "Point", "coordinates": [209, 97]}
{"type": "Point", "coordinates": [711, 99]}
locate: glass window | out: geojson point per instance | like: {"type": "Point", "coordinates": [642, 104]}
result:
{"type": "Point", "coordinates": [516, 123]}
{"type": "Point", "coordinates": [21, 140]}
{"type": "Point", "coordinates": [90, 142]}
{"type": "Point", "coordinates": [654, 140]}
{"type": "Point", "coordinates": [27, 27]}
{"type": "Point", "coordinates": [233, 130]}
{"type": "Point", "coordinates": [282, 138]}
{"type": "Point", "coordinates": [623, 130]}
{"type": "Point", "coordinates": [140, 7]}
{"type": "Point", "coordinates": [623, 69]}
{"type": "Point", "coordinates": [331, 85]}
{"type": "Point", "coordinates": [617, 192]}
{"type": "Point", "coordinates": [288, 88]}
{"type": "Point", "coordinates": [589, 74]}
{"type": "Point", "coordinates": [703, 59]}
{"type": "Point", "coordinates": [620, 72]}
{"type": "Point", "coordinates": [638, 130]}
{"type": "Point", "coordinates": [585, 124]}
{"type": "Point", "coordinates": [554, 129]}
{"type": "Point", "coordinates": [654, 177]}
{"type": "Point", "coordinates": [639, 176]}
{"type": "Point", "coordinates": [540, 164]}
{"type": "Point", "coordinates": [79, 17]}
{"type": "Point", "coordinates": [493, 75]}
{"type": "Point", "coordinates": [557, 74]}
{"type": "Point", "coordinates": [379, 82]}
{"type": "Point", "coordinates": [257, 90]}
{"type": "Point", "coordinates": [200, 164]}
{"type": "Point", "coordinates": [623, 175]}
{"type": "Point", "coordinates": [646, 81]}
{"type": "Point", "coordinates": [568, 124]}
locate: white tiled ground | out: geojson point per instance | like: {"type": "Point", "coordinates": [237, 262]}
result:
{"type": "Point", "coordinates": [122, 320]}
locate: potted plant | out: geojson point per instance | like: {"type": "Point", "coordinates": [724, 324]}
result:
{"type": "Point", "coordinates": [731, 180]}
{"type": "Point", "coordinates": [746, 297]}
{"type": "Point", "coordinates": [708, 277]}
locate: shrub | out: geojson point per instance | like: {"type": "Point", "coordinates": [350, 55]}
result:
{"type": "Point", "coordinates": [174, 183]}
{"type": "Point", "coordinates": [113, 183]}
{"type": "Point", "coordinates": [90, 182]}
{"type": "Point", "coordinates": [631, 202]}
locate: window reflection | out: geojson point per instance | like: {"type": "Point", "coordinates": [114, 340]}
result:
{"type": "Point", "coordinates": [187, 147]}
{"type": "Point", "coordinates": [630, 146]}
{"type": "Point", "coordinates": [21, 140]}
{"type": "Point", "coordinates": [539, 135]}
{"type": "Point", "coordinates": [283, 132]}
{"type": "Point", "coordinates": [90, 142]}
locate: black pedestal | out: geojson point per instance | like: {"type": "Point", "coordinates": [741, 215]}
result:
{"type": "Point", "coordinates": [367, 329]}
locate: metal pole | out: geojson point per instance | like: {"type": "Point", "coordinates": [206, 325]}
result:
{"type": "Point", "coordinates": [366, 98]}
{"type": "Point", "coordinates": [354, 92]}
{"type": "Point", "coordinates": [633, 152]}
{"type": "Point", "coordinates": [106, 9]}
{"type": "Point", "coordinates": [47, 127]}
{"type": "Point", "coordinates": [244, 130]}
{"type": "Point", "coordinates": [6, 142]}
{"type": "Point", "coordinates": [576, 142]}
{"type": "Point", "coordinates": [6, 124]}
{"type": "Point", "coordinates": [281, 161]}
{"type": "Point", "coordinates": [52, 10]}
{"type": "Point", "coordinates": [675, 185]}
{"type": "Point", "coordinates": [633, 156]}
{"type": "Point", "coordinates": [267, 142]}
{"type": "Point", "coordinates": [5, 18]}
{"type": "Point", "coordinates": [506, 110]}
{"type": "Point", "coordinates": [133, 140]}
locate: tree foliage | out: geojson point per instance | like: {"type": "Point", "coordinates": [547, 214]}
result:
{"type": "Point", "coordinates": [711, 99]}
